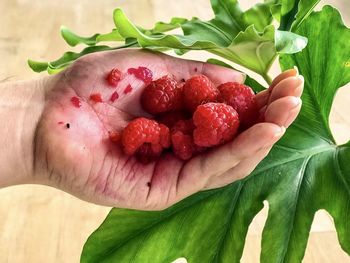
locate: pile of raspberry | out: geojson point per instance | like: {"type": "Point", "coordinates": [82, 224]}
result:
{"type": "Point", "coordinates": [189, 117]}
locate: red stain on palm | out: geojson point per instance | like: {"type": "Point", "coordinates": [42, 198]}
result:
{"type": "Point", "coordinates": [96, 97]}
{"type": "Point", "coordinates": [60, 122]}
{"type": "Point", "coordinates": [114, 96]}
{"type": "Point", "coordinates": [142, 73]}
{"type": "Point", "coordinates": [76, 102]}
{"type": "Point", "coordinates": [128, 89]}
{"type": "Point", "coordinates": [114, 77]}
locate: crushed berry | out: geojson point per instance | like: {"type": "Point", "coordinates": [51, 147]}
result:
{"type": "Point", "coordinates": [114, 96]}
{"type": "Point", "coordinates": [142, 73]}
{"type": "Point", "coordinates": [114, 136]}
{"type": "Point", "coordinates": [76, 102]}
{"type": "Point", "coordinates": [114, 77]}
{"type": "Point", "coordinates": [128, 89]}
{"type": "Point", "coordinates": [96, 97]}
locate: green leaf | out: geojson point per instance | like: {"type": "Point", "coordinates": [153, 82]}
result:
{"type": "Point", "coordinates": [294, 12]}
{"type": "Point", "coordinates": [288, 42]}
{"type": "Point", "coordinates": [69, 57]}
{"type": "Point", "coordinates": [37, 66]}
{"type": "Point", "coordinates": [73, 39]}
{"type": "Point", "coordinates": [174, 23]}
{"type": "Point", "coordinates": [259, 15]}
{"type": "Point", "coordinates": [306, 171]}
{"type": "Point", "coordinates": [248, 48]}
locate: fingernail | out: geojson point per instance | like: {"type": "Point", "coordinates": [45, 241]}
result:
{"type": "Point", "coordinates": [296, 102]}
{"type": "Point", "coordinates": [296, 69]}
{"type": "Point", "coordinates": [280, 133]}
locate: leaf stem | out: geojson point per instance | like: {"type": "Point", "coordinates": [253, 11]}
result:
{"type": "Point", "coordinates": [267, 78]}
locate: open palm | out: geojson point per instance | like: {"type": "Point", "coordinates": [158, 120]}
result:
{"type": "Point", "coordinates": [81, 159]}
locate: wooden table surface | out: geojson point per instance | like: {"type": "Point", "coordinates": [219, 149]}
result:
{"type": "Point", "coordinates": [40, 224]}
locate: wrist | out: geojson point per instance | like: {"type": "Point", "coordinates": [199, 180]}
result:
{"type": "Point", "coordinates": [21, 105]}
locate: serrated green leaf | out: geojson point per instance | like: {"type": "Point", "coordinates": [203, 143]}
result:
{"type": "Point", "coordinates": [73, 39]}
{"type": "Point", "coordinates": [69, 57]}
{"type": "Point", "coordinates": [276, 12]}
{"type": "Point", "coordinates": [37, 66]}
{"type": "Point", "coordinates": [289, 43]}
{"type": "Point", "coordinates": [306, 171]}
{"type": "Point", "coordinates": [249, 48]}
{"type": "Point", "coordinates": [174, 23]}
{"type": "Point", "coordinates": [259, 15]}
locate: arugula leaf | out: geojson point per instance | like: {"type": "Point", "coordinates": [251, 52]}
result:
{"type": "Point", "coordinates": [248, 48]}
{"type": "Point", "coordinates": [73, 39]}
{"type": "Point", "coordinates": [69, 57]}
{"type": "Point", "coordinates": [174, 23]}
{"type": "Point", "coordinates": [247, 38]}
{"type": "Point", "coordinates": [306, 171]}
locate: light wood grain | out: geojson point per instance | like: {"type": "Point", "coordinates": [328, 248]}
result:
{"type": "Point", "coordinates": [40, 224]}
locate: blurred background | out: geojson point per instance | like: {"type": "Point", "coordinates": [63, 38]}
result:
{"type": "Point", "coordinates": [40, 224]}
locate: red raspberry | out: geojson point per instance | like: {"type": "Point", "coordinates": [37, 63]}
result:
{"type": "Point", "coordinates": [185, 126]}
{"type": "Point", "coordinates": [114, 77]}
{"type": "Point", "coordinates": [146, 153]}
{"type": "Point", "coordinates": [216, 123]}
{"type": "Point", "coordinates": [242, 99]}
{"type": "Point", "coordinates": [182, 140]}
{"type": "Point", "coordinates": [199, 90]}
{"type": "Point", "coordinates": [171, 118]}
{"type": "Point", "coordinates": [183, 145]}
{"type": "Point", "coordinates": [164, 134]}
{"type": "Point", "coordinates": [162, 95]}
{"type": "Point", "coordinates": [138, 132]}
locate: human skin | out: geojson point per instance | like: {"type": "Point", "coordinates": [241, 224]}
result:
{"type": "Point", "coordinates": [39, 148]}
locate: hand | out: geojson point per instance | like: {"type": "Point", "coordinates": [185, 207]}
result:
{"type": "Point", "coordinates": [83, 161]}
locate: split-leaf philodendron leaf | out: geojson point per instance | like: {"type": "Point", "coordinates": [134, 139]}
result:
{"type": "Point", "coordinates": [306, 171]}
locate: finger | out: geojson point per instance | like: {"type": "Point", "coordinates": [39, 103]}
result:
{"type": "Point", "coordinates": [286, 74]}
{"type": "Point", "coordinates": [283, 111]}
{"type": "Point", "coordinates": [229, 155]}
{"type": "Point", "coordinates": [263, 97]}
{"type": "Point", "coordinates": [291, 86]}
{"type": "Point", "coordinates": [219, 74]}
{"type": "Point", "coordinates": [240, 171]}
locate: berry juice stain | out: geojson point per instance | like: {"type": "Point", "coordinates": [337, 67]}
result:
{"type": "Point", "coordinates": [114, 77]}
{"type": "Point", "coordinates": [128, 89]}
{"type": "Point", "coordinates": [96, 97]}
{"type": "Point", "coordinates": [195, 69]}
{"type": "Point", "coordinates": [114, 96]}
{"type": "Point", "coordinates": [76, 102]}
{"type": "Point", "coordinates": [142, 73]}
{"type": "Point", "coordinates": [60, 122]}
